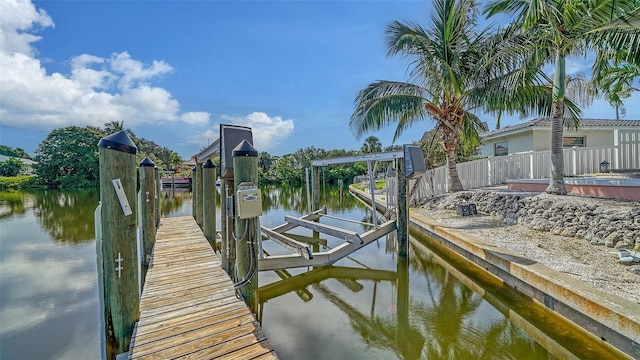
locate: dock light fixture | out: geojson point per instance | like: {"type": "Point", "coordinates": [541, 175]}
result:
{"type": "Point", "coordinates": [604, 166]}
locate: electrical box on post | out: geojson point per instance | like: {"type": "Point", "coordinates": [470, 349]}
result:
{"type": "Point", "coordinates": [248, 201]}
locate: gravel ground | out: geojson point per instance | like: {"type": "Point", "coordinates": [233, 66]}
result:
{"type": "Point", "coordinates": [593, 264]}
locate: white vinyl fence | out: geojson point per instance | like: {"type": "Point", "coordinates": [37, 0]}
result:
{"type": "Point", "coordinates": [625, 154]}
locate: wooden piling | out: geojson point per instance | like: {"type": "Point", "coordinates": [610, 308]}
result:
{"type": "Point", "coordinates": [117, 170]}
{"type": "Point", "coordinates": [193, 192]}
{"type": "Point", "coordinates": [245, 165]}
{"type": "Point", "coordinates": [156, 173]}
{"type": "Point", "coordinates": [209, 202]}
{"type": "Point", "coordinates": [198, 190]}
{"type": "Point", "coordinates": [147, 213]}
{"type": "Point", "coordinates": [227, 244]}
{"type": "Point", "coordinates": [402, 219]}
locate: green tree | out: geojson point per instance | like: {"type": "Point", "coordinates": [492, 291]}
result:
{"type": "Point", "coordinates": [11, 152]}
{"type": "Point", "coordinates": [450, 75]}
{"type": "Point", "coordinates": [68, 157]}
{"type": "Point", "coordinates": [615, 79]}
{"type": "Point", "coordinates": [10, 167]}
{"type": "Point", "coordinates": [563, 28]}
{"type": "Point", "coordinates": [371, 145]}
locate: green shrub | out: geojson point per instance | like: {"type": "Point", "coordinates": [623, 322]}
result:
{"type": "Point", "coordinates": [19, 182]}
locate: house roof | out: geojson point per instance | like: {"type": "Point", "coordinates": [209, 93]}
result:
{"type": "Point", "coordinates": [546, 122]}
{"type": "Point", "coordinates": [4, 158]}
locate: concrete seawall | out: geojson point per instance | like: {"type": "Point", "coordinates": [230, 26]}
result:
{"type": "Point", "coordinates": [611, 319]}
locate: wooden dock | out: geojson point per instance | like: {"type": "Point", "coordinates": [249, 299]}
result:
{"type": "Point", "coordinates": [188, 308]}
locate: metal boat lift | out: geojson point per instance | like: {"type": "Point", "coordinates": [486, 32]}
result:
{"type": "Point", "coordinates": [303, 255]}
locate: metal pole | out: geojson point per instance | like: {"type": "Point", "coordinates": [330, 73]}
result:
{"type": "Point", "coordinates": [372, 189]}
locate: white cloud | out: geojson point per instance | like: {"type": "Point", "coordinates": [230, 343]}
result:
{"type": "Point", "coordinates": [98, 90]}
{"type": "Point", "coordinates": [196, 118]}
{"type": "Point", "coordinates": [268, 132]}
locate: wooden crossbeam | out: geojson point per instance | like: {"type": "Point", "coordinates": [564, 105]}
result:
{"type": "Point", "coordinates": [348, 235]}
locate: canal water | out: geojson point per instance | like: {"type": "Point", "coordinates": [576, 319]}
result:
{"type": "Point", "coordinates": [366, 306]}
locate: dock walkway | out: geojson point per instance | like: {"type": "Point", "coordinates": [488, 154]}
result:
{"type": "Point", "coordinates": [188, 308]}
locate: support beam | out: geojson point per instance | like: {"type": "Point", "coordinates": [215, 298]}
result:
{"type": "Point", "coordinates": [289, 243]}
{"type": "Point", "coordinates": [326, 257]}
{"type": "Point", "coordinates": [348, 235]}
{"type": "Point", "coordinates": [311, 217]}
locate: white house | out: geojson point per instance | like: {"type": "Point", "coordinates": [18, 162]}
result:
{"type": "Point", "coordinates": [27, 165]}
{"type": "Point", "coordinates": [536, 135]}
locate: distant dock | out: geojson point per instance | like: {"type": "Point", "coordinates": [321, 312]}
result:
{"type": "Point", "coordinates": [189, 308]}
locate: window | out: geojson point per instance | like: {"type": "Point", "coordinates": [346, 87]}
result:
{"type": "Point", "coordinates": [573, 141]}
{"type": "Point", "coordinates": [501, 148]}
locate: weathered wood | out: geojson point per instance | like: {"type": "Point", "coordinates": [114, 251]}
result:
{"type": "Point", "coordinates": [189, 308]}
{"type": "Point", "coordinates": [198, 191]}
{"type": "Point", "coordinates": [209, 202]}
{"type": "Point", "coordinates": [402, 207]}
{"type": "Point", "coordinates": [227, 244]}
{"type": "Point", "coordinates": [117, 155]}
{"type": "Point", "coordinates": [348, 235]}
{"type": "Point", "coordinates": [245, 171]}
{"type": "Point", "coordinates": [158, 184]}
{"type": "Point", "coordinates": [147, 212]}
{"type": "Point", "coordinates": [315, 179]}
{"type": "Point", "coordinates": [194, 193]}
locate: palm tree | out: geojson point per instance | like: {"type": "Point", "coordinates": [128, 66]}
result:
{"type": "Point", "coordinates": [371, 145]}
{"type": "Point", "coordinates": [615, 79]}
{"type": "Point", "coordinates": [448, 72]}
{"type": "Point", "coordinates": [562, 28]}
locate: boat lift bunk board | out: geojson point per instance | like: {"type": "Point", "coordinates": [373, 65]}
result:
{"type": "Point", "coordinates": [303, 255]}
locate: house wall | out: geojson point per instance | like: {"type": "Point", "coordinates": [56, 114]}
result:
{"type": "Point", "coordinates": [540, 140]}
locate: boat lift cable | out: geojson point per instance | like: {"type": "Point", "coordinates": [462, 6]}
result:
{"type": "Point", "coordinates": [252, 258]}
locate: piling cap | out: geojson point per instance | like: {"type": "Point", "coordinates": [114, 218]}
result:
{"type": "Point", "coordinates": [118, 141]}
{"type": "Point", "coordinates": [194, 169]}
{"type": "Point", "coordinates": [146, 162]}
{"type": "Point", "coordinates": [245, 149]}
{"type": "Point", "coordinates": [209, 164]}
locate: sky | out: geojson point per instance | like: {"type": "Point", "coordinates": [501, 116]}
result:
{"type": "Point", "coordinates": [172, 71]}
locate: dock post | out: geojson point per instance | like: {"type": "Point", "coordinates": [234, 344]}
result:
{"type": "Point", "coordinates": [227, 245]}
{"type": "Point", "coordinates": [199, 192]}
{"type": "Point", "coordinates": [147, 213]}
{"type": "Point", "coordinates": [209, 202]}
{"type": "Point", "coordinates": [315, 188]}
{"type": "Point", "coordinates": [245, 165]}
{"type": "Point", "coordinates": [402, 218]}
{"type": "Point", "coordinates": [193, 192]}
{"type": "Point", "coordinates": [117, 154]}
{"type": "Point", "coordinates": [158, 184]}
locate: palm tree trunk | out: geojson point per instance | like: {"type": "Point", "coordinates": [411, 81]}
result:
{"type": "Point", "coordinates": [454, 179]}
{"type": "Point", "coordinates": [556, 183]}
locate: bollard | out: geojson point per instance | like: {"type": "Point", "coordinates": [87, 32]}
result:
{"type": "Point", "coordinates": [209, 202]}
{"type": "Point", "coordinates": [117, 155]}
{"type": "Point", "coordinates": [245, 168]}
{"type": "Point", "coordinates": [147, 213]}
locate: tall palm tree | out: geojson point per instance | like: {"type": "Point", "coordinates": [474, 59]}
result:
{"type": "Point", "coordinates": [448, 73]}
{"type": "Point", "coordinates": [562, 28]}
{"type": "Point", "coordinates": [371, 145]}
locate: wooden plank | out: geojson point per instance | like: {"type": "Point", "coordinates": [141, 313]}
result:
{"type": "Point", "coordinates": [189, 307]}
{"type": "Point", "coordinates": [348, 235]}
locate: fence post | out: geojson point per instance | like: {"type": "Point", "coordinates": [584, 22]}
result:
{"type": "Point", "coordinates": [147, 213]}
{"type": "Point", "coordinates": [574, 160]}
{"type": "Point", "coordinates": [245, 168]}
{"type": "Point", "coordinates": [616, 149]}
{"type": "Point", "coordinates": [209, 202]}
{"type": "Point", "coordinates": [117, 154]}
